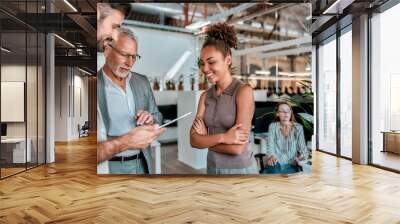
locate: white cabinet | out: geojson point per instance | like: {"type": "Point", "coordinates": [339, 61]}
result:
{"type": "Point", "coordinates": [196, 158]}
{"type": "Point", "coordinates": [18, 149]}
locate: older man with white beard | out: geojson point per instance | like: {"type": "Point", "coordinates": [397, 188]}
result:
{"type": "Point", "coordinates": [127, 112]}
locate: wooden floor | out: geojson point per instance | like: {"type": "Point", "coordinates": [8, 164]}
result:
{"type": "Point", "coordinates": [170, 163]}
{"type": "Point", "coordinates": [387, 159]}
{"type": "Point", "coordinates": [10, 171]}
{"type": "Point", "coordinates": [69, 191]}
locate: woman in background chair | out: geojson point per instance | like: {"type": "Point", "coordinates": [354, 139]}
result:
{"type": "Point", "coordinates": [286, 145]}
{"type": "Point", "coordinates": [225, 110]}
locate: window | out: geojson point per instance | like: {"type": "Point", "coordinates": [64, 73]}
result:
{"type": "Point", "coordinates": [22, 75]}
{"type": "Point", "coordinates": [385, 89]}
{"type": "Point", "coordinates": [346, 94]}
{"type": "Point", "coordinates": [327, 96]}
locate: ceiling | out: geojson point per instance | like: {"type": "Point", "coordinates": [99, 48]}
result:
{"type": "Point", "coordinates": [21, 22]}
{"type": "Point", "coordinates": [260, 25]}
{"type": "Point", "coordinates": [255, 23]}
{"type": "Point", "coordinates": [328, 16]}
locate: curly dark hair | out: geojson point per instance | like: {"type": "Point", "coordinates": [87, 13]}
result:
{"type": "Point", "coordinates": [222, 36]}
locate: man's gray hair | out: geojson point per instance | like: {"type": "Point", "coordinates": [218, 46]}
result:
{"type": "Point", "coordinates": [125, 32]}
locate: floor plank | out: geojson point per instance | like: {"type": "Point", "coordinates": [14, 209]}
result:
{"type": "Point", "coordinates": [70, 191]}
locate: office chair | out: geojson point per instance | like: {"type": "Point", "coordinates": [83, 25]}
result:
{"type": "Point", "coordinates": [84, 130]}
{"type": "Point", "coordinates": [260, 157]}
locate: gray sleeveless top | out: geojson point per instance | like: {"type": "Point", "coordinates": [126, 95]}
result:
{"type": "Point", "coordinates": [219, 117]}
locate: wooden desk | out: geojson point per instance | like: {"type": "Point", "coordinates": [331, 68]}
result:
{"type": "Point", "coordinates": [391, 141]}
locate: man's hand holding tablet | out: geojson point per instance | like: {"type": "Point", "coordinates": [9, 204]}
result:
{"type": "Point", "coordinates": [173, 121]}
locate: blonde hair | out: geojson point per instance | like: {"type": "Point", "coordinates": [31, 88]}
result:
{"type": "Point", "coordinates": [292, 118]}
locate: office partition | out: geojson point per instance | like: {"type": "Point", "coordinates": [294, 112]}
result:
{"type": "Point", "coordinates": [22, 77]}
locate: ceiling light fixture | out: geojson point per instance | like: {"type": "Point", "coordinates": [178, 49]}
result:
{"type": "Point", "coordinates": [295, 74]}
{"type": "Point", "coordinates": [64, 40]}
{"type": "Point", "coordinates": [337, 7]}
{"type": "Point", "coordinates": [5, 49]}
{"type": "Point", "coordinates": [84, 71]}
{"type": "Point", "coordinates": [70, 5]}
{"type": "Point", "coordinates": [262, 72]}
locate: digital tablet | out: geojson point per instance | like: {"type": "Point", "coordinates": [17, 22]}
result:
{"type": "Point", "coordinates": [168, 123]}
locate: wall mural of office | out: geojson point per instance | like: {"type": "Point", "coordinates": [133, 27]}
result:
{"type": "Point", "coordinates": [275, 61]}
{"type": "Point", "coordinates": [22, 94]}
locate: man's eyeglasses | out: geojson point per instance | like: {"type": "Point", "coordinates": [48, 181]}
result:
{"type": "Point", "coordinates": [135, 57]}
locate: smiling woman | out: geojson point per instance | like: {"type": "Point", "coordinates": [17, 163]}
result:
{"type": "Point", "coordinates": [225, 110]}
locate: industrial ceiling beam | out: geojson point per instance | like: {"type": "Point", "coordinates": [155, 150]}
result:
{"type": "Point", "coordinates": [294, 51]}
{"type": "Point", "coordinates": [218, 17]}
{"type": "Point", "coordinates": [321, 21]}
{"type": "Point", "coordinates": [259, 13]}
{"type": "Point", "coordinates": [86, 26]}
{"type": "Point", "coordinates": [274, 46]}
{"type": "Point", "coordinates": [82, 61]}
{"type": "Point", "coordinates": [305, 28]}
{"type": "Point", "coordinates": [283, 32]}
{"type": "Point", "coordinates": [337, 7]}
{"type": "Point", "coordinates": [231, 11]}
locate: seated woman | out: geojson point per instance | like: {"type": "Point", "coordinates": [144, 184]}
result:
{"type": "Point", "coordinates": [286, 145]}
{"type": "Point", "coordinates": [225, 110]}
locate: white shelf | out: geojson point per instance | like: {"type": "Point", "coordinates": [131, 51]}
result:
{"type": "Point", "coordinates": [195, 158]}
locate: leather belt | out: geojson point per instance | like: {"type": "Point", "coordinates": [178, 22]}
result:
{"type": "Point", "coordinates": [126, 158]}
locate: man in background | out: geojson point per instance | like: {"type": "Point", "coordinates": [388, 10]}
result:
{"type": "Point", "coordinates": [109, 18]}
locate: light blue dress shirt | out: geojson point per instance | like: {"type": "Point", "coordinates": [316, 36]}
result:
{"type": "Point", "coordinates": [122, 111]}
{"type": "Point", "coordinates": [285, 149]}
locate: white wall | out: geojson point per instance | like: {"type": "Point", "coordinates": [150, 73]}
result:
{"type": "Point", "coordinates": [33, 126]}
{"type": "Point", "coordinates": [79, 117]}
{"type": "Point", "coordinates": [17, 73]}
{"type": "Point", "coordinates": [160, 50]}
{"type": "Point", "coordinates": [70, 84]}
{"type": "Point", "coordinates": [61, 103]}
{"type": "Point", "coordinates": [13, 73]}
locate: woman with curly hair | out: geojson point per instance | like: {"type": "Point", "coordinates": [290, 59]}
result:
{"type": "Point", "coordinates": [225, 110]}
{"type": "Point", "coordinates": [286, 145]}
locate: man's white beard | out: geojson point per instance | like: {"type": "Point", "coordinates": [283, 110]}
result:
{"type": "Point", "coordinates": [121, 75]}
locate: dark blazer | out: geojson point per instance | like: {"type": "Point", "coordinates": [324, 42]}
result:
{"type": "Point", "coordinates": [144, 99]}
